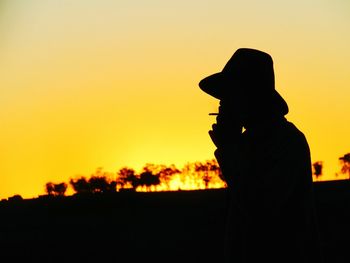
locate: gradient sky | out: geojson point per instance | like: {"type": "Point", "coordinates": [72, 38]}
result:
{"type": "Point", "coordinates": [87, 84]}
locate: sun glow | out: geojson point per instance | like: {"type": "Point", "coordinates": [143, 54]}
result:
{"type": "Point", "coordinates": [153, 178]}
{"type": "Point", "coordinates": [182, 181]}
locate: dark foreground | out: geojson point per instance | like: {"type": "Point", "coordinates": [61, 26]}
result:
{"type": "Point", "coordinates": [146, 227]}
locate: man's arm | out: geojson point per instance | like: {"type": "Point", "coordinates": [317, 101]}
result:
{"type": "Point", "coordinates": [229, 163]}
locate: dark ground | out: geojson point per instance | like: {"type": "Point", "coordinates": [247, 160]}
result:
{"type": "Point", "coordinates": [146, 227]}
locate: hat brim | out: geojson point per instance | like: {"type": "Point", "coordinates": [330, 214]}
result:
{"type": "Point", "coordinates": [216, 85]}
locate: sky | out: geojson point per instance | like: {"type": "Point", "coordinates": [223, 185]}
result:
{"type": "Point", "coordinates": [87, 84]}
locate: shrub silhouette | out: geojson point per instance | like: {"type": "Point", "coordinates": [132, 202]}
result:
{"type": "Point", "coordinates": [317, 169]}
{"type": "Point", "coordinates": [15, 198]}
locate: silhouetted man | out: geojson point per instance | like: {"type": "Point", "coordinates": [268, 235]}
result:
{"type": "Point", "coordinates": [267, 167]}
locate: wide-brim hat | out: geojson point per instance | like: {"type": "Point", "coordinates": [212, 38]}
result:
{"type": "Point", "coordinates": [248, 75]}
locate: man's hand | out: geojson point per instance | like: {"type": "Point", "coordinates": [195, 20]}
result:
{"type": "Point", "coordinates": [217, 135]}
{"type": "Point", "coordinates": [226, 134]}
{"type": "Point", "coordinates": [226, 130]}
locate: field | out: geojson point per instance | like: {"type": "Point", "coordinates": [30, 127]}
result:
{"type": "Point", "coordinates": [185, 226]}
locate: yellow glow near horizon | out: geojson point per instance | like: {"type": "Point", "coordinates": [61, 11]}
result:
{"type": "Point", "coordinates": [86, 84]}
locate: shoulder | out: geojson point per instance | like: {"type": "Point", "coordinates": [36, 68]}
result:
{"type": "Point", "coordinates": [294, 137]}
{"type": "Point", "coordinates": [294, 133]}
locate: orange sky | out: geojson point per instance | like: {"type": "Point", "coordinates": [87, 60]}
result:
{"type": "Point", "coordinates": [86, 84]}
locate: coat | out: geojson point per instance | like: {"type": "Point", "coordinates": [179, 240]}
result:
{"type": "Point", "coordinates": [271, 214]}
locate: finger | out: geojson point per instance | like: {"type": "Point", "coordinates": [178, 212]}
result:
{"type": "Point", "coordinates": [212, 136]}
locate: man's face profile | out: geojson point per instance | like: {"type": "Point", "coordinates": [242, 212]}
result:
{"type": "Point", "coordinates": [237, 107]}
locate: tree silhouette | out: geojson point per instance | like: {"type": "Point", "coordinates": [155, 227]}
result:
{"type": "Point", "coordinates": [126, 177]}
{"type": "Point", "coordinates": [80, 185]}
{"type": "Point", "coordinates": [203, 170]}
{"type": "Point", "coordinates": [56, 189]}
{"type": "Point", "coordinates": [317, 169]}
{"type": "Point", "coordinates": [60, 189]}
{"type": "Point", "coordinates": [49, 188]}
{"type": "Point", "coordinates": [214, 168]}
{"type": "Point", "coordinates": [345, 163]}
{"type": "Point", "coordinates": [207, 170]}
{"type": "Point", "coordinates": [167, 172]}
{"type": "Point", "coordinates": [100, 184]}
{"type": "Point", "coordinates": [148, 177]}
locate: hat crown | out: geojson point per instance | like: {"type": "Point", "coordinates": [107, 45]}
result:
{"type": "Point", "coordinates": [251, 68]}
